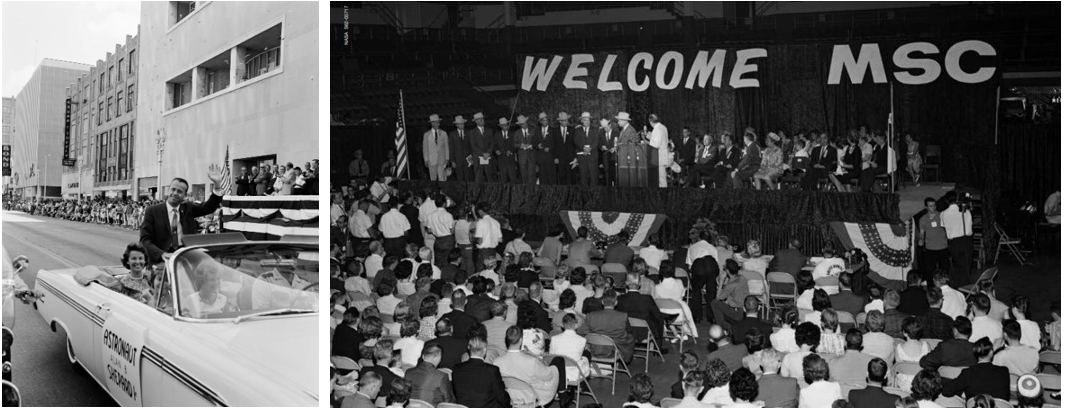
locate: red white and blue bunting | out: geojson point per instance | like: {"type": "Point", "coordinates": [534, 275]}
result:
{"type": "Point", "coordinates": [606, 225]}
{"type": "Point", "coordinates": [889, 247]}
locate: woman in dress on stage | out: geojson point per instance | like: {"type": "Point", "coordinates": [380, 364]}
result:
{"type": "Point", "coordinates": [772, 163]}
{"type": "Point", "coordinates": [913, 158]}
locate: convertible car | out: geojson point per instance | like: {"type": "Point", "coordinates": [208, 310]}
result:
{"type": "Point", "coordinates": [229, 323]}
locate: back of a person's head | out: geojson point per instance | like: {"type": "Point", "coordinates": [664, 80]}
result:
{"type": "Point", "coordinates": [934, 296]}
{"type": "Point", "coordinates": [477, 344]}
{"type": "Point", "coordinates": [754, 340]}
{"type": "Point", "coordinates": [409, 328]}
{"type": "Point", "coordinates": [694, 382]}
{"type": "Point", "coordinates": [814, 369]}
{"type": "Point", "coordinates": [641, 388]}
{"type": "Point", "coordinates": [981, 304]}
{"type": "Point", "coordinates": [808, 334]}
{"type": "Point", "coordinates": [689, 360]}
{"type": "Point", "coordinates": [732, 266]}
{"type": "Point", "coordinates": [854, 339]}
{"type": "Point", "coordinates": [913, 277]}
{"type": "Point", "coordinates": [399, 392]}
{"type": "Point", "coordinates": [791, 316]}
{"type": "Point", "coordinates": [983, 348]}
{"type": "Point", "coordinates": [941, 278]}
{"type": "Point", "coordinates": [610, 298]}
{"type": "Point", "coordinates": [906, 402]}
{"type": "Point", "coordinates": [963, 326]}
{"type": "Point", "coordinates": [742, 385]}
{"type": "Point", "coordinates": [983, 400]}
{"type": "Point", "coordinates": [805, 281]}
{"type": "Point", "coordinates": [877, 370]}
{"type": "Point", "coordinates": [845, 280]}
{"type": "Point", "coordinates": [829, 320]}
{"type": "Point", "coordinates": [717, 373]}
{"type": "Point", "coordinates": [751, 304]}
{"type": "Point", "coordinates": [383, 350]}
{"type": "Point", "coordinates": [926, 386]}
{"type": "Point", "coordinates": [498, 309]}
{"type": "Point", "coordinates": [1011, 329]}
{"type": "Point", "coordinates": [771, 359]}
{"type": "Point", "coordinates": [513, 336]}
{"type": "Point", "coordinates": [841, 403]}
{"type": "Point", "coordinates": [892, 299]}
{"type": "Point", "coordinates": [911, 328]}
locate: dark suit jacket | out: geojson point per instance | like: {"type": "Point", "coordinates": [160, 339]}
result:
{"type": "Point", "coordinates": [387, 376]}
{"type": "Point", "coordinates": [872, 397]}
{"type": "Point", "coordinates": [453, 348]}
{"type": "Point", "coordinates": [546, 140]}
{"type": "Point", "coordinates": [730, 155]}
{"type": "Point", "coordinates": [461, 323]}
{"type": "Point", "coordinates": [953, 353]}
{"type": "Point", "coordinates": [460, 148]}
{"type": "Point", "coordinates": [346, 342]}
{"type": "Point", "coordinates": [618, 253]}
{"type": "Point", "coordinates": [591, 139]}
{"type": "Point", "coordinates": [448, 273]}
{"type": "Point", "coordinates": [429, 384]}
{"type": "Point", "coordinates": [244, 184]}
{"type": "Point", "coordinates": [564, 151]}
{"type": "Point", "coordinates": [739, 329]}
{"type": "Point", "coordinates": [479, 385]}
{"type": "Point", "coordinates": [155, 228]}
{"type": "Point", "coordinates": [880, 158]}
{"type": "Point", "coordinates": [847, 301]}
{"type": "Point", "coordinates": [479, 307]}
{"type": "Point", "coordinates": [641, 306]}
{"type": "Point", "coordinates": [543, 318]}
{"type": "Point", "coordinates": [778, 392]}
{"type": "Point", "coordinates": [829, 159]}
{"type": "Point", "coordinates": [788, 260]}
{"type": "Point", "coordinates": [260, 182]}
{"type": "Point", "coordinates": [608, 141]}
{"type": "Point", "coordinates": [980, 378]}
{"type": "Point", "coordinates": [357, 401]}
{"type": "Point", "coordinates": [913, 301]}
{"type": "Point", "coordinates": [481, 143]}
{"type": "Point", "coordinates": [685, 151]}
{"type": "Point", "coordinates": [752, 158]}
{"type": "Point", "coordinates": [705, 156]}
{"type": "Point", "coordinates": [613, 324]}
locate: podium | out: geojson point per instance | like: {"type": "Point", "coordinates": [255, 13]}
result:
{"type": "Point", "coordinates": [632, 165]}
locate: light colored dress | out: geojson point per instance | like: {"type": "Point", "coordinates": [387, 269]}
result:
{"type": "Point", "coordinates": [772, 164]}
{"type": "Point", "coordinates": [903, 355]}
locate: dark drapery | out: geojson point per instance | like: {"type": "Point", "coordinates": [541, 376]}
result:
{"type": "Point", "coordinates": [1030, 156]}
{"type": "Point", "coordinates": [770, 216]}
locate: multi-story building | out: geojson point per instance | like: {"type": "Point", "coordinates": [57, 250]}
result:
{"type": "Point", "coordinates": [103, 121]}
{"type": "Point", "coordinates": [218, 76]}
{"type": "Point", "coordinates": [40, 124]}
{"type": "Point", "coordinates": [9, 130]}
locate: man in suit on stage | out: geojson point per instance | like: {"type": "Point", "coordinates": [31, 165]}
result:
{"type": "Point", "coordinates": [459, 142]}
{"type": "Point", "coordinates": [727, 161]}
{"type": "Point", "coordinates": [506, 147]}
{"type": "Point", "coordinates": [527, 154]}
{"type": "Point", "coordinates": [436, 151]}
{"type": "Point", "coordinates": [878, 164]}
{"type": "Point", "coordinates": [749, 164]}
{"type": "Point", "coordinates": [547, 160]}
{"type": "Point", "coordinates": [823, 161]}
{"type": "Point", "coordinates": [704, 163]}
{"type": "Point", "coordinates": [244, 182]}
{"type": "Point", "coordinates": [564, 149]}
{"type": "Point", "coordinates": [261, 179]}
{"type": "Point", "coordinates": [586, 140]}
{"type": "Point", "coordinates": [630, 139]}
{"type": "Point", "coordinates": [165, 225]}
{"type": "Point", "coordinates": [685, 148]}
{"type": "Point", "coordinates": [608, 148]}
{"type": "Point", "coordinates": [482, 143]}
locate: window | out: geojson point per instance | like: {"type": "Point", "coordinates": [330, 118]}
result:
{"type": "Point", "coordinates": [132, 61]}
{"type": "Point", "coordinates": [216, 74]}
{"type": "Point", "coordinates": [129, 100]}
{"type": "Point", "coordinates": [101, 83]}
{"type": "Point", "coordinates": [100, 113]}
{"type": "Point", "coordinates": [118, 105]}
{"type": "Point", "coordinates": [262, 53]}
{"type": "Point", "coordinates": [110, 100]}
{"type": "Point", "coordinates": [179, 90]}
{"type": "Point", "coordinates": [110, 76]}
{"type": "Point", "coordinates": [180, 9]}
{"type": "Point", "coordinates": [120, 63]}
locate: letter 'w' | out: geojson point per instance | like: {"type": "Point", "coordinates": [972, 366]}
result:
{"type": "Point", "coordinates": [538, 72]}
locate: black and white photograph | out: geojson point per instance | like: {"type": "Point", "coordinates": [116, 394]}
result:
{"type": "Point", "coordinates": [160, 204]}
{"type": "Point", "coordinates": [698, 204]}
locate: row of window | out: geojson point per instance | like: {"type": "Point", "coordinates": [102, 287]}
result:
{"type": "Point", "coordinates": [254, 57]}
{"type": "Point", "coordinates": [116, 109]}
{"type": "Point", "coordinates": [113, 162]}
{"type": "Point", "coordinates": [111, 80]}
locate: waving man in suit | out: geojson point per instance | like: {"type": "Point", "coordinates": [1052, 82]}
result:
{"type": "Point", "coordinates": [165, 224]}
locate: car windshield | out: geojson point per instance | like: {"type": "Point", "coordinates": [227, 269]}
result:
{"type": "Point", "coordinates": [253, 280]}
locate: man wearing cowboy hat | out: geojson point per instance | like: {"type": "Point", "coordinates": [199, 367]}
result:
{"type": "Point", "coordinates": [545, 143]}
{"type": "Point", "coordinates": [525, 139]}
{"type": "Point", "coordinates": [587, 140]}
{"type": "Point", "coordinates": [631, 154]}
{"type": "Point", "coordinates": [435, 150]}
{"type": "Point", "coordinates": [564, 149]}
{"type": "Point", "coordinates": [608, 146]}
{"type": "Point", "coordinates": [506, 145]}
{"type": "Point", "coordinates": [482, 143]}
{"type": "Point", "coordinates": [461, 155]}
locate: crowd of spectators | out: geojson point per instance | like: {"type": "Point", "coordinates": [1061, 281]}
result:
{"type": "Point", "coordinates": [114, 212]}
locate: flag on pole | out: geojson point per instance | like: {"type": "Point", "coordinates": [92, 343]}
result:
{"type": "Point", "coordinates": [892, 160]}
{"type": "Point", "coordinates": [402, 165]}
{"type": "Point", "coordinates": [225, 175]}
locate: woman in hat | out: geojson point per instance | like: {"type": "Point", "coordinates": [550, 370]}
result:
{"type": "Point", "coordinates": [772, 163]}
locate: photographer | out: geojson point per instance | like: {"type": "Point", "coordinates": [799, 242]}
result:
{"type": "Point", "coordinates": [958, 222]}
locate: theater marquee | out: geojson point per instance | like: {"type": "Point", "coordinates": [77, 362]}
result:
{"type": "Point", "coordinates": [916, 63]}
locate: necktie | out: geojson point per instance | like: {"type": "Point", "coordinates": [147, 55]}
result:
{"type": "Point", "coordinates": [175, 236]}
{"type": "Point", "coordinates": [462, 136]}
{"type": "Point", "coordinates": [436, 137]}
{"type": "Point", "coordinates": [563, 134]}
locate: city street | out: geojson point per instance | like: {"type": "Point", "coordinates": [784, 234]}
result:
{"type": "Point", "coordinates": [41, 370]}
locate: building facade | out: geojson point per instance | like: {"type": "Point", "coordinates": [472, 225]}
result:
{"type": "Point", "coordinates": [236, 77]}
{"type": "Point", "coordinates": [9, 130]}
{"type": "Point", "coordinates": [103, 126]}
{"type": "Point", "coordinates": [40, 125]}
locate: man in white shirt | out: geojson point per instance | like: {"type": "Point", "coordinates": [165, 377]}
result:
{"type": "Point", "coordinates": [829, 260]}
{"type": "Point", "coordinates": [441, 225]}
{"type": "Point", "coordinates": [953, 300]}
{"type": "Point", "coordinates": [701, 249]}
{"type": "Point", "coordinates": [571, 345]}
{"type": "Point", "coordinates": [660, 141]}
{"type": "Point", "coordinates": [653, 255]}
{"type": "Point", "coordinates": [959, 226]}
{"type": "Point", "coordinates": [693, 388]}
{"type": "Point", "coordinates": [984, 326]}
{"type": "Point", "coordinates": [336, 209]}
{"type": "Point", "coordinates": [488, 233]}
{"type": "Point", "coordinates": [376, 261]}
{"type": "Point", "coordinates": [394, 226]}
{"type": "Point", "coordinates": [1019, 358]}
{"type": "Point", "coordinates": [359, 226]}
{"type": "Point", "coordinates": [426, 209]}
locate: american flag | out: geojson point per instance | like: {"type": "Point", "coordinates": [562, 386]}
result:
{"type": "Point", "coordinates": [225, 175]}
{"type": "Point", "coordinates": [401, 141]}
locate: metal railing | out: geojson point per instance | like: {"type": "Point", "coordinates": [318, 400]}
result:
{"type": "Point", "coordinates": [262, 63]}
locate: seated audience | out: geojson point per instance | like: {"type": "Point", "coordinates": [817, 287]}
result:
{"type": "Point", "coordinates": [892, 316]}
{"type": "Point", "coordinates": [728, 306]}
{"type": "Point", "coordinates": [477, 383]}
{"type": "Point", "coordinates": [876, 342]}
{"type": "Point", "coordinates": [545, 380]}
{"type": "Point", "coordinates": [653, 255]}
{"type": "Point", "coordinates": [427, 382]}
{"type": "Point", "coordinates": [717, 379]}
{"type": "Point", "coordinates": [409, 346]}
{"type": "Point", "coordinates": [926, 388]}
{"type": "Point", "coordinates": [369, 387]}
{"type": "Point", "coordinates": [670, 287]}
{"type": "Point", "coordinates": [820, 393]}
{"type": "Point", "coordinates": [955, 352]}
{"type": "Point", "coordinates": [807, 337]}
{"type": "Point", "coordinates": [912, 300]}
{"type": "Point", "coordinates": [453, 347]}
{"type": "Point", "coordinates": [935, 324]}
{"type": "Point", "coordinates": [613, 324]}
{"type": "Point", "coordinates": [1030, 332]}
{"type": "Point", "coordinates": [805, 290]}
{"type": "Point", "coordinates": [1029, 392]}
{"type": "Point", "coordinates": [755, 343]}
{"type": "Point", "coordinates": [1020, 359]}
{"type": "Point", "coordinates": [694, 383]}
{"type": "Point", "coordinates": [382, 365]}
{"type": "Point", "coordinates": [783, 340]}
{"type": "Point", "coordinates": [743, 389]}
{"type": "Point", "coordinates": [873, 395]}
{"type": "Point", "coordinates": [983, 377]}
{"type": "Point", "coordinates": [721, 348]}
{"type": "Point", "coordinates": [497, 327]}
{"type": "Point", "coordinates": [774, 390]}
{"type": "Point", "coordinates": [689, 361]}
{"type": "Point", "coordinates": [984, 325]}
{"type": "Point", "coordinates": [832, 342]}
{"type": "Point", "coordinates": [953, 300]}
{"type": "Point", "coordinates": [876, 299]}
{"type": "Point", "coordinates": [750, 321]}
{"type": "Point", "coordinates": [571, 345]}
{"type": "Point", "coordinates": [850, 367]}
{"type": "Point", "coordinates": [640, 392]}
{"type": "Point", "coordinates": [461, 322]}
{"type": "Point", "coordinates": [789, 260]}
{"type": "Point", "coordinates": [566, 302]}
{"type": "Point", "coordinates": [846, 300]}
{"type": "Point", "coordinates": [619, 252]}
{"type": "Point", "coordinates": [642, 306]}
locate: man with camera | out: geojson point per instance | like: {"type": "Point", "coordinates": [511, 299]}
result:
{"type": "Point", "coordinates": [958, 222]}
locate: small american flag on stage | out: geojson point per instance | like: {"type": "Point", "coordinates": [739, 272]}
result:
{"type": "Point", "coordinates": [401, 141]}
{"type": "Point", "coordinates": [226, 183]}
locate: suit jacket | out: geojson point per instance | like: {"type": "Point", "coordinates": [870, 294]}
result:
{"type": "Point", "coordinates": [155, 228]}
{"type": "Point", "coordinates": [707, 155]}
{"type": "Point", "coordinates": [506, 141]}
{"type": "Point", "coordinates": [847, 301]}
{"type": "Point", "coordinates": [618, 253]}
{"type": "Point", "coordinates": [387, 376]}
{"type": "Point", "coordinates": [739, 329]}
{"type": "Point", "coordinates": [980, 378]}
{"type": "Point", "coordinates": [453, 348]}
{"type": "Point", "coordinates": [526, 367]}
{"type": "Point", "coordinates": [641, 306]}
{"type": "Point", "coordinates": [461, 323]}
{"type": "Point", "coordinates": [752, 158]}
{"type": "Point", "coordinates": [613, 324]}
{"type": "Point", "coordinates": [479, 385]}
{"type": "Point", "coordinates": [479, 307]}
{"type": "Point", "coordinates": [778, 392]}
{"type": "Point", "coordinates": [628, 135]}
{"type": "Point", "coordinates": [913, 301]}
{"type": "Point", "coordinates": [357, 401]}
{"type": "Point", "coordinates": [543, 141]}
{"type": "Point", "coordinates": [260, 182]}
{"type": "Point", "coordinates": [607, 136]}
{"type": "Point", "coordinates": [566, 150]}
{"type": "Point", "coordinates": [543, 318]}
{"type": "Point", "coordinates": [685, 151]}
{"type": "Point", "coordinates": [788, 260]}
{"type": "Point", "coordinates": [429, 384]}
{"type": "Point", "coordinates": [872, 397]}
{"type": "Point", "coordinates": [828, 159]}
{"type": "Point", "coordinates": [880, 157]}
{"type": "Point", "coordinates": [481, 143]}
{"type": "Point", "coordinates": [953, 353]}
{"type": "Point", "coordinates": [243, 184]}
{"type": "Point", "coordinates": [731, 156]}
{"type": "Point", "coordinates": [460, 147]}
{"type": "Point", "coordinates": [436, 150]}
{"type": "Point", "coordinates": [590, 139]}
{"type": "Point", "coordinates": [497, 332]}
{"type": "Point", "coordinates": [852, 366]}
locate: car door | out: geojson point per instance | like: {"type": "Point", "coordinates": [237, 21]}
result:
{"type": "Point", "coordinates": [72, 307]}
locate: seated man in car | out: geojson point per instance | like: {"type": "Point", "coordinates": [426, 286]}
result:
{"type": "Point", "coordinates": [281, 288]}
{"type": "Point", "coordinates": [207, 300]}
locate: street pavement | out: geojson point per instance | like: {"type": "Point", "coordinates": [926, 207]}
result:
{"type": "Point", "coordinates": [41, 370]}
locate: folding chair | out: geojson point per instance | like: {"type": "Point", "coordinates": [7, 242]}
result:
{"type": "Point", "coordinates": [897, 391]}
{"type": "Point", "coordinates": [589, 269]}
{"type": "Point", "coordinates": [906, 368]}
{"type": "Point", "coordinates": [617, 271]}
{"type": "Point", "coordinates": [582, 382]}
{"type": "Point", "coordinates": [950, 402]}
{"type": "Point", "coordinates": [1050, 382]}
{"type": "Point", "coordinates": [649, 344]}
{"type": "Point", "coordinates": [932, 342]}
{"type": "Point", "coordinates": [521, 393]}
{"type": "Point", "coordinates": [950, 372]}
{"type": "Point", "coordinates": [988, 274]}
{"type": "Point", "coordinates": [450, 405]}
{"type": "Point", "coordinates": [413, 403]}
{"type": "Point", "coordinates": [859, 320]}
{"type": "Point", "coordinates": [613, 361]}
{"type": "Point", "coordinates": [679, 328]}
{"type": "Point", "coordinates": [782, 288]}
{"type": "Point", "coordinates": [1051, 358]}
{"type": "Point", "coordinates": [846, 387]}
{"type": "Point", "coordinates": [668, 402]}
{"type": "Point", "coordinates": [846, 321]}
{"type": "Point", "coordinates": [1012, 244]}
